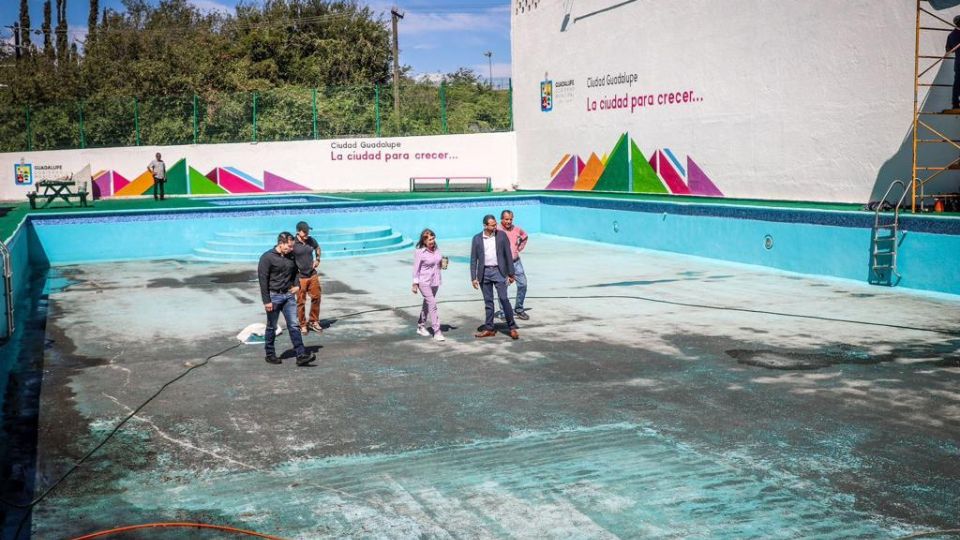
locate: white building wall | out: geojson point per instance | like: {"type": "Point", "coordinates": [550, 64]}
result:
{"type": "Point", "coordinates": [794, 99]}
{"type": "Point", "coordinates": [361, 164]}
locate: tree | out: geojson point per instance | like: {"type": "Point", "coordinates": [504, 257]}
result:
{"type": "Point", "coordinates": [47, 30]}
{"type": "Point", "coordinates": [154, 56]}
{"type": "Point", "coordinates": [61, 30]}
{"type": "Point", "coordinates": [92, 19]}
{"type": "Point", "coordinates": [25, 26]}
{"type": "Point", "coordinates": [16, 40]}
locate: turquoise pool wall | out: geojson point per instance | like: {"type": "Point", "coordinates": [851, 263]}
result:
{"type": "Point", "coordinates": [167, 235]}
{"type": "Point", "coordinates": [828, 243]}
{"type": "Point", "coordinates": [24, 247]}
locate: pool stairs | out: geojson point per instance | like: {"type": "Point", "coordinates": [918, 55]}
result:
{"type": "Point", "coordinates": [334, 243]}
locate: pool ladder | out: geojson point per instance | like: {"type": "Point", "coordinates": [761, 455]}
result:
{"type": "Point", "coordinates": [7, 287]}
{"type": "Point", "coordinates": [883, 258]}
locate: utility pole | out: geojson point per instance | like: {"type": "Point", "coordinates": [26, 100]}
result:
{"type": "Point", "coordinates": [489, 55]}
{"type": "Point", "coordinates": [396, 15]}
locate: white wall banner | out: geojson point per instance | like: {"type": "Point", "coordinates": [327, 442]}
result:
{"type": "Point", "coordinates": [786, 99]}
{"type": "Point", "coordinates": [361, 164]}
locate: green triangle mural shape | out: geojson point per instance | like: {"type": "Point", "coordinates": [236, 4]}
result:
{"type": "Point", "coordinates": [177, 179]}
{"type": "Point", "coordinates": [616, 174]}
{"type": "Point", "coordinates": [645, 179]}
{"type": "Point", "coordinates": [201, 185]}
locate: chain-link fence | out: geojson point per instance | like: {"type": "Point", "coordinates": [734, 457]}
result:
{"type": "Point", "coordinates": [281, 114]}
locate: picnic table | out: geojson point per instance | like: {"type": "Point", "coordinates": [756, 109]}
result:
{"type": "Point", "coordinates": [62, 188]}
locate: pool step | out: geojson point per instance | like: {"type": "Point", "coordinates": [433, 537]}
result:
{"type": "Point", "coordinates": [321, 235]}
{"type": "Point", "coordinates": [255, 244]}
{"type": "Point", "coordinates": [334, 243]}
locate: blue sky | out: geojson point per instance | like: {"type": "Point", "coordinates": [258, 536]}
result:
{"type": "Point", "coordinates": [436, 36]}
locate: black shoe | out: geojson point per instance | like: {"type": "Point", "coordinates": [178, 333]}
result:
{"type": "Point", "coordinates": [522, 315]}
{"type": "Point", "coordinates": [271, 359]}
{"type": "Point", "coordinates": [306, 359]}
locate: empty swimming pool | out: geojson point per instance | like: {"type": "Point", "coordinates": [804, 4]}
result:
{"type": "Point", "coordinates": [651, 394]}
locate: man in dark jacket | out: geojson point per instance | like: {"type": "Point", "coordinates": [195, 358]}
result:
{"type": "Point", "coordinates": [277, 273]}
{"type": "Point", "coordinates": [491, 265]}
{"type": "Point", "coordinates": [952, 48]}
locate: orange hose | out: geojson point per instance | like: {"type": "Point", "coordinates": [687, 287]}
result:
{"type": "Point", "coordinates": [182, 525]}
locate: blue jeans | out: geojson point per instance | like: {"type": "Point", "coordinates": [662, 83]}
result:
{"type": "Point", "coordinates": [286, 303]}
{"type": "Point", "coordinates": [493, 278]}
{"type": "Point", "coordinates": [521, 278]}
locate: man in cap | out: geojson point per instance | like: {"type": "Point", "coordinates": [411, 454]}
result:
{"type": "Point", "coordinates": [304, 249]}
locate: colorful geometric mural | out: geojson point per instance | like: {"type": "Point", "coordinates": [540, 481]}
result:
{"type": "Point", "coordinates": [626, 168]}
{"type": "Point", "coordinates": [185, 180]}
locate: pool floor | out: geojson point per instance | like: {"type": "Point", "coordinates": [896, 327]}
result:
{"type": "Point", "coordinates": [686, 398]}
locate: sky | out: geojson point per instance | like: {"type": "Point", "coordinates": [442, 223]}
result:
{"type": "Point", "coordinates": [436, 36]}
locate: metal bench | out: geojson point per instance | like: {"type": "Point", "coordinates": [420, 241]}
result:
{"type": "Point", "coordinates": [450, 183]}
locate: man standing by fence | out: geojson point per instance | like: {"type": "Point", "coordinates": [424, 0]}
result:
{"type": "Point", "coordinates": [304, 249]}
{"type": "Point", "coordinates": [159, 171]}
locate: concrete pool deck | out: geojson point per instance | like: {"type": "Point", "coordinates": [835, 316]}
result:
{"type": "Point", "coordinates": [689, 398]}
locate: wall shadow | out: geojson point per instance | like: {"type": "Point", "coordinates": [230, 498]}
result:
{"type": "Point", "coordinates": [899, 165]}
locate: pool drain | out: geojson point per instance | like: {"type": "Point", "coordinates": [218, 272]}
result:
{"type": "Point", "coordinates": [768, 242]}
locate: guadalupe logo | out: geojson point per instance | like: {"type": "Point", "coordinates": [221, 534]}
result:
{"type": "Point", "coordinates": [546, 95]}
{"type": "Point", "coordinates": [23, 174]}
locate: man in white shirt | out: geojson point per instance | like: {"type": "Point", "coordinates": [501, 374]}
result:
{"type": "Point", "coordinates": [491, 265]}
{"type": "Point", "coordinates": [159, 171]}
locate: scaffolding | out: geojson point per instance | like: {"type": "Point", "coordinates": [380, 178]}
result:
{"type": "Point", "coordinates": [927, 167]}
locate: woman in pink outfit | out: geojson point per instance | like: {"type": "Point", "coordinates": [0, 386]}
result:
{"type": "Point", "coordinates": [426, 281]}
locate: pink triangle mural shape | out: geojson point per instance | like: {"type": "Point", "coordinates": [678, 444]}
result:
{"type": "Point", "coordinates": [273, 183]}
{"type": "Point", "coordinates": [699, 182]}
{"type": "Point", "coordinates": [670, 176]}
{"type": "Point", "coordinates": [119, 182]}
{"type": "Point", "coordinates": [235, 183]}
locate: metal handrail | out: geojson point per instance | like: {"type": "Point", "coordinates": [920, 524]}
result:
{"type": "Point", "coordinates": [8, 287]}
{"type": "Point", "coordinates": [896, 208]}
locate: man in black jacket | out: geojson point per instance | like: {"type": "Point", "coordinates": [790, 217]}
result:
{"type": "Point", "coordinates": [491, 265]}
{"type": "Point", "coordinates": [952, 48]}
{"type": "Point", "coordinates": [277, 273]}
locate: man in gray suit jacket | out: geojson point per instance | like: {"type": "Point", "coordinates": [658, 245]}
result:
{"type": "Point", "coordinates": [491, 265]}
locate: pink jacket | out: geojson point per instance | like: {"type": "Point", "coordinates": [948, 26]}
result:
{"type": "Point", "coordinates": [426, 267]}
{"type": "Point", "coordinates": [518, 239]}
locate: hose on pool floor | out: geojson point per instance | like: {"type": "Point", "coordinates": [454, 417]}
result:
{"type": "Point", "coordinates": [29, 506]}
{"type": "Point", "coordinates": [174, 525]}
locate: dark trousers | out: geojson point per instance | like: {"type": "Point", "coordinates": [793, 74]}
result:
{"type": "Point", "coordinates": [493, 278]}
{"type": "Point", "coordinates": [955, 98]}
{"type": "Point", "coordinates": [158, 184]}
{"type": "Point", "coordinates": [287, 304]}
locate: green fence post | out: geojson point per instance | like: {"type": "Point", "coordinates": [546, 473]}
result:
{"type": "Point", "coordinates": [83, 141]}
{"type": "Point", "coordinates": [136, 118]}
{"type": "Point", "coordinates": [376, 94]}
{"type": "Point", "coordinates": [315, 135]}
{"type": "Point", "coordinates": [443, 107]}
{"type": "Point", "coordinates": [510, 99]}
{"type": "Point", "coordinates": [196, 120]}
{"type": "Point", "coordinates": [29, 132]}
{"type": "Point", "coordinates": [254, 117]}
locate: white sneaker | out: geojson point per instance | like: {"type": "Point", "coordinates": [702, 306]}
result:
{"type": "Point", "coordinates": [422, 330]}
{"type": "Point", "coordinates": [439, 337]}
